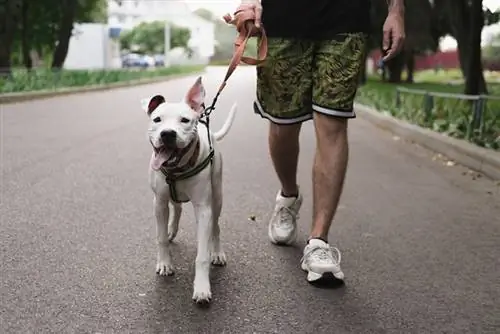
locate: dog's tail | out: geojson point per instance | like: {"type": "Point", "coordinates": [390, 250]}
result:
{"type": "Point", "coordinates": [227, 124]}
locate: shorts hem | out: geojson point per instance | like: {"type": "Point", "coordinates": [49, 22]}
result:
{"type": "Point", "coordinates": [334, 112]}
{"type": "Point", "coordinates": [258, 109]}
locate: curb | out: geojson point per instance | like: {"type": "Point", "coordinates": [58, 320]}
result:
{"type": "Point", "coordinates": [474, 157]}
{"type": "Point", "coordinates": [44, 94]}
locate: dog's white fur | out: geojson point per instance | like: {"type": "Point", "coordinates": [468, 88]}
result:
{"type": "Point", "coordinates": [203, 190]}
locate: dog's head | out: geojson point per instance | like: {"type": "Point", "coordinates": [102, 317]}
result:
{"type": "Point", "coordinates": [173, 125]}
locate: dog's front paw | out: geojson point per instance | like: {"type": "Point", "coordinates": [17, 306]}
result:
{"type": "Point", "coordinates": [218, 258]}
{"type": "Point", "coordinates": [202, 294]}
{"type": "Point", "coordinates": [164, 269]}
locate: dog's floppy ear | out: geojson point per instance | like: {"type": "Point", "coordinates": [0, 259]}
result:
{"type": "Point", "coordinates": [149, 105]}
{"type": "Point", "coordinates": [196, 96]}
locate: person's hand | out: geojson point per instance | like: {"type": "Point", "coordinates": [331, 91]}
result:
{"type": "Point", "coordinates": [256, 7]}
{"type": "Point", "coordinates": [394, 34]}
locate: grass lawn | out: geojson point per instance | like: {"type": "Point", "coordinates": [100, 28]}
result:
{"type": "Point", "coordinates": [448, 115]}
{"type": "Point", "coordinates": [46, 79]}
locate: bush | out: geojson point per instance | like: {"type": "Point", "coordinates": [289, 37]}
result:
{"type": "Point", "coordinates": [448, 115]}
{"type": "Point", "coordinates": [46, 79]}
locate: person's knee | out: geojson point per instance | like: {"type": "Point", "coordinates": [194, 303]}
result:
{"type": "Point", "coordinates": [284, 132]}
{"type": "Point", "coordinates": [330, 127]}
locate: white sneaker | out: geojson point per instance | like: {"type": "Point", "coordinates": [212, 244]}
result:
{"type": "Point", "coordinates": [319, 258]}
{"type": "Point", "coordinates": [283, 223]}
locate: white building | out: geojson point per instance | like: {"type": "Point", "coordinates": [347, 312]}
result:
{"type": "Point", "coordinates": [126, 14]}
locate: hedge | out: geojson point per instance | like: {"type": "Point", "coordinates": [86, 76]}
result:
{"type": "Point", "coordinates": [451, 114]}
{"type": "Point", "coordinates": [46, 79]}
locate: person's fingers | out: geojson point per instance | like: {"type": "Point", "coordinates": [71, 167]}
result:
{"type": "Point", "coordinates": [401, 42]}
{"type": "Point", "coordinates": [386, 38]}
{"type": "Point", "coordinates": [258, 14]}
{"type": "Point", "coordinates": [389, 54]}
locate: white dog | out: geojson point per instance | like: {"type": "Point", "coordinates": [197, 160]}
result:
{"type": "Point", "coordinates": [186, 166]}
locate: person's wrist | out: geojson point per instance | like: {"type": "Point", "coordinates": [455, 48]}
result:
{"type": "Point", "coordinates": [396, 7]}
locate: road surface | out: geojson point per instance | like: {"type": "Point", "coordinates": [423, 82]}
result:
{"type": "Point", "coordinates": [420, 239]}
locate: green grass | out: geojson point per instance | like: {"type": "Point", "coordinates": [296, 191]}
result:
{"type": "Point", "coordinates": [46, 79]}
{"type": "Point", "coordinates": [448, 115]}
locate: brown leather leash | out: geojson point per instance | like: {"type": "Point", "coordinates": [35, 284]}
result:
{"type": "Point", "coordinates": [244, 20]}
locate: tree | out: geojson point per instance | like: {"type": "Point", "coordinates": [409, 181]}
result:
{"type": "Point", "coordinates": [47, 29]}
{"type": "Point", "coordinates": [9, 14]}
{"type": "Point", "coordinates": [464, 20]}
{"type": "Point", "coordinates": [149, 37]}
{"type": "Point", "coordinates": [67, 19]}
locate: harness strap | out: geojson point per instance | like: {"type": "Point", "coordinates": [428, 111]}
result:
{"type": "Point", "coordinates": [172, 179]}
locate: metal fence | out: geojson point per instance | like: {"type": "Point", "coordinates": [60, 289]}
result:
{"type": "Point", "coordinates": [474, 117]}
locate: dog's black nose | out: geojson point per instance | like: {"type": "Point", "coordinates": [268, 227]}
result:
{"type": "Point", "coordinates": [168, 136]}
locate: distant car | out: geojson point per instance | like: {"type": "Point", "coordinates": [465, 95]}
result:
{"type": "Point", "coordinates": [148, 61]}
{"type": "Point", "coordinates": [131, 60]}
{"type": "Point", "coordinates": [159, 60]}
{"type": "Point", "coordinates": [137, 60]}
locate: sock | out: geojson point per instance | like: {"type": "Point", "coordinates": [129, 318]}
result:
{"type": "Point", "coordinates": [289, 196]}
{"type": "Point", "coordinates": [322, 239]}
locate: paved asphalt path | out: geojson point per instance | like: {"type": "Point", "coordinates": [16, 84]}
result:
{"type": "Point", "coordinates": [420, 239]}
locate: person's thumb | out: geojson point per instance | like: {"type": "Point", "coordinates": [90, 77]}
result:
{"type": "Point", "coordinates": [258, 14]}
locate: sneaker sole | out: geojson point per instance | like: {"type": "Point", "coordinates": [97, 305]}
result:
{"type": "Point", "coordinates": [316, 275]}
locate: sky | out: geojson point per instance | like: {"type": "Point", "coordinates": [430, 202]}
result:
{"type": "Point", "coordinates": [221, 7]}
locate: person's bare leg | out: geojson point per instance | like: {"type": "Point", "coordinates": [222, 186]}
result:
{"type": "Point", "coordinates": [284, 151]}
{"type": "Point", "coordinates": [330, 165]}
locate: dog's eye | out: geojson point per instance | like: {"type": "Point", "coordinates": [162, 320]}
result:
{"type": "Point", "coordinates": [157, 120]}
{"type": "Point", "coordinates": [185, 120]}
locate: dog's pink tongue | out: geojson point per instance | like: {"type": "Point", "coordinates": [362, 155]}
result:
{"type": "Point", "coordinates": [158, 159]}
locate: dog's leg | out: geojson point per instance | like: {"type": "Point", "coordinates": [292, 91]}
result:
{"type": "Point", "coordinates": [201, 285]}
{"type": "Point", "coordinates": [164, 261]}
{"type": "Point", "coordinates": [217, 255]}
{"type": "Point", "coordinates": [173, 223]}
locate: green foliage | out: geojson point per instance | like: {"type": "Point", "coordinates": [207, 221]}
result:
{"type": "Point", "coordinates": [40, 23]}
{"type": "Point", "coordinates": [149, 37]}
{"type": "Point", "coordinates": [492, 49]}
{"type": "Point", "coordinates": [46, 79]}
{"type": "Point", "coordinates": [95, 11]}
{"type": "Point", "coordinates": [450, 116]}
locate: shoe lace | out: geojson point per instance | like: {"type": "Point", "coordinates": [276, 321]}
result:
{"type": "Point", "coordinates": [286, 216]}
{"type": "Point", "coordinates": [324, 253]}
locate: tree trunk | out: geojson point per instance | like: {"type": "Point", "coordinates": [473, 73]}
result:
{"type": "Point", "coordinates": [8, 18]}
{"type": "Point", "coordinates": [474, 79]}
{"type": "Point", "coordinates": [410, 66]}
{"type": "Point", "coordinates": [65, 31]}
{"type": "Point", "coordinates": [26, 36]}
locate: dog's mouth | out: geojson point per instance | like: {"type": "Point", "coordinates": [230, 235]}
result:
{"type": "Point", "coordinates": [168, 154]}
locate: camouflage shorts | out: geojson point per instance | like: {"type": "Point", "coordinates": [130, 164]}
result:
{"type": "Point", "coordinates": [301, 76]}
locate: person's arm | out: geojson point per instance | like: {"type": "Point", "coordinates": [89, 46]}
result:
{"type": "Point", "coordinates": [394, 29]}
{"type": "Point", "coordinates": [396, 5]}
